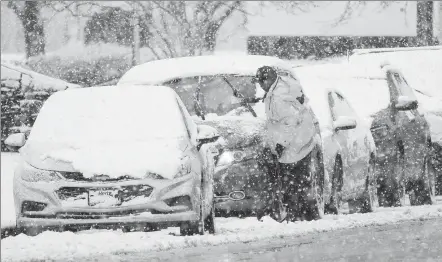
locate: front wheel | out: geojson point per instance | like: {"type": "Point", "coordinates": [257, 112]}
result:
{"type": "Point", "coordinates": [200, 226]}
{"type": "Point", "coordinates": [315, 198]}
{"type": "Point", "coordinates": [334, 206]}
{"type": "Point", "coordinates": [423, 191]}
{"type": "Point", "coordinates": [368, 202]}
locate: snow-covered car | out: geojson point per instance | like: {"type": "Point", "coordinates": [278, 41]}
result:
{"type": "Point", "coordinates": [102, 156]}
{"type": "Point", "coordinates": [401, 133]}
{"type": "Point", "coordinates": [349, 148]}
{"type": "Point", "coordinates": [423, 75]}
{"type": "Point", "coordinates": [206, 85]}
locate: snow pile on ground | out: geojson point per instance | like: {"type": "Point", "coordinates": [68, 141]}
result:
{"type": "Point", "coordinates": [74, 246]}
{"type": "Point", "coordinates": [8, 163]}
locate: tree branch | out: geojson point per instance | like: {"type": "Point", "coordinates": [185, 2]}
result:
{"type": "Point", "coordinates": [11, 5]}
{"type": "Point", "coordinates": [168, 11]}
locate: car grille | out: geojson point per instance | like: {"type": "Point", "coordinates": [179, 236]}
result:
{"type": "Point", "coordinates": [98, 215]}
{"type": "Point", "coordinates": [77, 176]}
{"type": "Point", "coordinates": [111, 196]}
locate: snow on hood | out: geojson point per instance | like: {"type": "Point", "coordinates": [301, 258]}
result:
{"type": "Point", "coordinates": [435, 122]}
{"type": "Point", "coordinates": [39, 81]}
{"type": "Point", "coordinates": [238, 131]}
{"type": "Point", "coordinates": [112, 159]}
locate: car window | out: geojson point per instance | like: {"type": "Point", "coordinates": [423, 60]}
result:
{"type": "Point", "coordinates": [190, 125]}
{"type": "Point", "coordinates": [340, 106]}
{"type": "Point", "coordinates": [402, 86]}
{"type": "Point", "coordinates": [186, 88]}
{"type": "Point", "coordinates": [216, 95]}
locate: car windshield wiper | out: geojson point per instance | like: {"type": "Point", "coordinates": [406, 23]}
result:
{"type": "Point", "coordinates": [238, 94]}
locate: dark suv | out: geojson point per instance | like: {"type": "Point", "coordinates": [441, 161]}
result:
{"type": "Point", "coordinates": [400, 131]}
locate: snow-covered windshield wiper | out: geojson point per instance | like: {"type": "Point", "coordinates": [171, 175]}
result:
{"type": "Point", "coordinates": [197, 104]}
{"type": "Point", "coordinates": [420, 92]}
{"type": "Point", "coordinates": [241, 96]}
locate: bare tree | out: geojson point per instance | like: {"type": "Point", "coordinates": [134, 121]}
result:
{"type": "Point", "coordinates": [190, 28]}
{"type": "Point", "coordinates": [28, 13]}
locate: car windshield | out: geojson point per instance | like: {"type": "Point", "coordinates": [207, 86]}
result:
{"type": "Point", "coordinates": [103, 114]}
{"type": "Point", "coordinates": [213, 93]}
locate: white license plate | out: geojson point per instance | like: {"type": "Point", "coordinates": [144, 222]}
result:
{"type": "Point", "coordinates": [106, 197]}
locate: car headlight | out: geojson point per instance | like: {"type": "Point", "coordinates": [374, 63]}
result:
{"type": "Point", "coordinates": [230, 157]}
{"type": "Point", "coordinates": [185, 167]}
{"type": "Point", "coordinates": [32, 174]}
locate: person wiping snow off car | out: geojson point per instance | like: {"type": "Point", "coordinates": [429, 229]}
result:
{"type": "Point", "coordinates": [291, 137]}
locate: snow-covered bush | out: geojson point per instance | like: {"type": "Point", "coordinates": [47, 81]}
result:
{"type": "Point", "coordinates": [23, 92]}
{"type": "Point", "coordinates": [81, 71]}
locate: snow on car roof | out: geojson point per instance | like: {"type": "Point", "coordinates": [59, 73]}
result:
{"type": "Point", "coordinates": [336, 71]}
{"type": "Point", "coordinates": [420, 66]}
{"type": "Point", "coordinates": [28, 77]}
{"type": "Point", "coordinates": [365, 88]}
{"type": "Point", "coordinates": [160, 71]}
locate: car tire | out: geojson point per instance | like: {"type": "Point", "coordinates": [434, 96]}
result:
{"type": "Point", "coordinates": [315, 204]}
{"type": "Point", "coordinates": [368, 202]}
{"type": "Point", "coordinates": [199, 227]}
{"type": "Point", "coordinates": [334, 206]}
{"type": "Point", "coordinates": [209, 222]}
{"type": "Point", "coordinates": [423, 191]}
{"type": "Point", "coordinates": [391, 190]}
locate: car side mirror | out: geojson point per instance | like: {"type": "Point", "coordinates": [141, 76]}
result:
{"type": "Point", "coordinates": [206, 134]}
{"type": "Point", "coordinates": [344, 123]}
{"type": "Point", "coordinates": [406, 103]}
{"type": "Point", "coordinates": [16, 140]}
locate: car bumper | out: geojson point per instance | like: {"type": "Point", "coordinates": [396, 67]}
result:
{"type": "Point", "coordinates": [245, 205]}
{"type": "Point", "coordinates": [157, 207]}
{"type": "Point", "coordinates": [168, 219]}
{"type": "Point", "coordinates": [245, 177]}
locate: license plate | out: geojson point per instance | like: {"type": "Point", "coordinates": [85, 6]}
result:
{"type": "Point", "coordinates": [103, 197]}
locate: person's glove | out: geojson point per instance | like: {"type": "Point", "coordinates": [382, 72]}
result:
{"type": "Point", "coordinates": [279, 150]}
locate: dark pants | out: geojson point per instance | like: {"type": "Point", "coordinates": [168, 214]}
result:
{"type": "Point", "coordinates": [296, 184]}
{"type": "Point", "coordinates": [292, 179]}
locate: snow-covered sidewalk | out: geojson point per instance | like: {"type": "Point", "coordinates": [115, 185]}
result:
{"type": "Point", "coordinates": [69, 246]}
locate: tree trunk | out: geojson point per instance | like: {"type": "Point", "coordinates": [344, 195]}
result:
{"type": "Point", "coordinates": [33, 28]}
{"type": "Point", "coordinates": [425, 23]}
{"type": "Point", "coordinates": [136, 40]}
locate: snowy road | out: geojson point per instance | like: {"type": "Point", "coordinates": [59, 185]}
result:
{"type": "Point", "coordinates": [406, 241]}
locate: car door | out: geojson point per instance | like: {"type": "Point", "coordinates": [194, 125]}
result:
{"type": "Point", "coordinates": [411, 127]}
{"type": "Point", "coordinates": [204, 156]}
{"type": "Point", "coordinates": [353, 142]}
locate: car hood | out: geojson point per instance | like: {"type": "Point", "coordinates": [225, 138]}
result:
{"type": "Point", "coordinates": [238, 132]}
{"type": "Point", "coordinates": [111, 158]}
